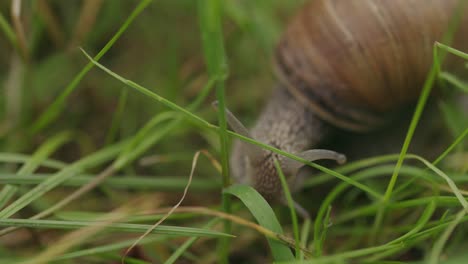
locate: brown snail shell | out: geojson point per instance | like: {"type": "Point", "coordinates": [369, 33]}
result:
{"type": "Point", "coordinates": [347, 63]}
{"type": "Point", "coordinates": [352, 61]}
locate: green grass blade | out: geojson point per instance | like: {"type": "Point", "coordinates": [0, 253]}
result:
{"type": "Point", "coordinates": [137, 218]}
{"type": "Point", "coordinates": [136, 182]}
{"type": "Point", "coordinates": [455, 118]}
{"type": "Point", "coordinates": [319, 237]}
{"type": "Point", "coordinates": [187, 113]}
{"type": "Point", "coordinates": [74, 169]}
{"type": "Point", "coordinates": [452, 79]}
{"type": "Point", "coordinates": [451, 50]}
{"type": "Point", "coordinates": [115, 227]}
{"type": "Point", "coordinates": [291, 206]}
{"type": "Point", "coordinates": [265, 216]}
{"type": "Point", "coordinates": [187, 244]}
{"type": "Point", "coordinates": [439, 245]}
{"type": "Point", "coordinates": [350, 167]}
{"type": "Point", "coordinates": [304, 237]}
{"type": "Point", "coordinates": [108, 248]}
{"type": "Point", "coordinates": [144, 139]}
{"type": "Point", "coordinates": [425, 217]}
{"type": "Point", "coordinates": [147, 137]}
{"type": "Point", "coordinates": [213, 46]}
{"type": "Point", "coordinates": [345, 257]}
{"type": "Point", "coordinates": [23, 158]}
{"type": "Point", "coordinates": [457, 141]}
{"type": "Point", "coordinates": [449, 181]}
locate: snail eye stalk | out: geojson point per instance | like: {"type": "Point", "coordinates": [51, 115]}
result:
{"type": "Point", "coordinates": [293, 166]}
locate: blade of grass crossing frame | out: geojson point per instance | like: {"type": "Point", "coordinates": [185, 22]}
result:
{"type": "Point", "coordinates": [23, 158]}
{"type": "Point", "coordinates": [212, 40]}
{"type": "Point", "coordinates": [200, 121]}
{"type": "Point", "coordinates": [265, 216]}
{"type": "Point", "coordinates": [304, 236]}
{"type": "Point", "coordinates": [119, 227]}
{"type": "Point", "coordinates": [147, 137]}
{"type": "Point", "coordinates": [141, 182]}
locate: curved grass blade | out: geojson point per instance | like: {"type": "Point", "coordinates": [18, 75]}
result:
{"type": "Point", "coordinates": [265, 216]}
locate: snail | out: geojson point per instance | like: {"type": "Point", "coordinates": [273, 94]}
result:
{"type": "Point", "coordinates": [341, 64]}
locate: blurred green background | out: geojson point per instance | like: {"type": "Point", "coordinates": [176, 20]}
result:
{"type": "Point", "coordinates": [161, 50]}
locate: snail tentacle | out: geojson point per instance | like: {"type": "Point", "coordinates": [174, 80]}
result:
{"type": "Point", "coordinates": [312, 155]}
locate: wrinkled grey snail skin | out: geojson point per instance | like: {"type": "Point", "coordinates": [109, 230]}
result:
{"type": "Point", "coordinates": [284, 124]}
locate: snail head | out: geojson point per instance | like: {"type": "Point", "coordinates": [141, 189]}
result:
{"type": "Point", "coordinates": [250, 164]}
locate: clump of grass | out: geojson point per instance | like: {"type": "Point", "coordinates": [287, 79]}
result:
{"type": "Point", "coordinates": [76, 180]}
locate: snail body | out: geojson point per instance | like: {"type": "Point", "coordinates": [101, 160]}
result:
{"type": "Point", "coordinates": [345, 64]}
